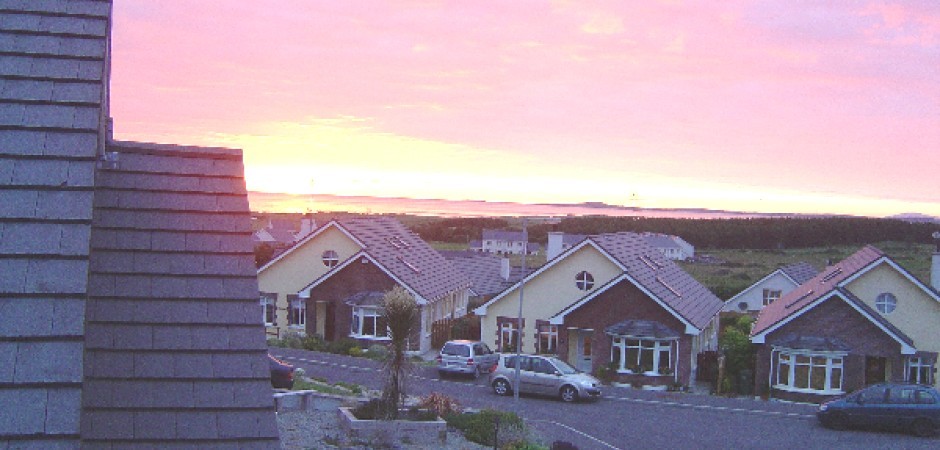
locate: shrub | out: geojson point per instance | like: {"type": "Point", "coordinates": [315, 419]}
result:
{"type": "Point", "coordinates": [606, 373]}
{"type": "Point", "coordinates": [440, 404]}
{"type": "Point", "coordinates": [341, 346]}
{"type": "Point", "coordinates": [377, 352]}
{"type": "Point", "coordinates": [481, 427]}
{"type": "Point", "coordinates": [292, 340]}
{"type": "Point", "coordinates": [355, 351]}
{"type": "Point", "coordinates": [313, 342]}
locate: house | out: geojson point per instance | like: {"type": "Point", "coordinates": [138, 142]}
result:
{"type": "Point", "coordinates": [127, 291]}
{"type": "Point", "coordinates": [281, 233]}
{"type": "Point", "coordinates": [558, 242]}
{"type": "Point", "coordinates": [489, 274]}
{"type": "Point", "coordinates": [770, 288]}
{"type": "Point", "coordinates": [863, 320]}
{"type": "Point", "coordinates": [331, 282]}
{"type": "Point", "coordinates": [672, 247]}
{"type": "Point", "coordinates": [613, 300]}
{"type": "Point", "coordinates": [505, 242]}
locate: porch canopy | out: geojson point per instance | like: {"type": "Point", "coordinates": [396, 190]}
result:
{"type": "Point", "coordinates": [813, 343]}
{"type": "Point", "coordinates": [642, 329]}
{"type": "Point", "coordinates": [366, 299]}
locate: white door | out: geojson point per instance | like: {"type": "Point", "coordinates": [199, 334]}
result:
{"type": "Point", "coordinates": [583, 362]}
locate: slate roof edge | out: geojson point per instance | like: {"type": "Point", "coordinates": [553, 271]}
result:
{"type": "Point", "coordinates": [362, 253]}
{"type": "Point", "coordinates": [152, 148]}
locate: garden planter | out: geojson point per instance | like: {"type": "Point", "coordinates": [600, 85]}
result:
{"type": "Point", "coordinates": [429, 432]}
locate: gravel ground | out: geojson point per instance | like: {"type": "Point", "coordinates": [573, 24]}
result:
{"type": "Point", "coordinates": [315, 429]}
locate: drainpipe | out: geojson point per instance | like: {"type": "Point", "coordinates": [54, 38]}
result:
{"type": "Point", "coordinates": [770, 375]}
{"type": "Point", "coordinates": [675, 373]}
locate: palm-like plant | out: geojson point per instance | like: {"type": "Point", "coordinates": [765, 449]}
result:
{"type": "Point", "coordinates": [401, 314]}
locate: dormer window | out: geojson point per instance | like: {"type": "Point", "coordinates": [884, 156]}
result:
{"type": "Point", "coordinates": [330, 258]}
{"type": "Point", "coordinates": [886, 303]}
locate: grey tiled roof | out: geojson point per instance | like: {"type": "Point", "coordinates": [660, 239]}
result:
{"type": "Point", "coordinates": [173, 332]}
{"type": "Point", "coordinates": [483, 269]}
{"type": "Point", "coordinates": [51, 103]}
{"type": "Point", "coordinates": [505, 235]}
{"type": "Point", "coordinates": [658, 240]}
{"type": "Point", "coordinates": [406, 256]}
{"type": "Point", "coordinates": [666, 280]}
{"type": "Point", "coordinates": [800, 272]}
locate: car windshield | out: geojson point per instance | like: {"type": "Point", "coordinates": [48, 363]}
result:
{"type": "Point", "coordinates": [563, 367]}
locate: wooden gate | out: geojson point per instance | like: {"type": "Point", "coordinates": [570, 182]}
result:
{"type": "Point", "coordinates": [466, 327]}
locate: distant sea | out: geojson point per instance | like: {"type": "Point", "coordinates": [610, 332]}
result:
{"type": "Point", "coordinates": [272, 202]}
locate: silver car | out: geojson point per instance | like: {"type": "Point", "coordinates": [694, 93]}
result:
{"type": "Point", "coordinates": [543, 375]}
{"type": "Point", "coordinates": [465, 357]}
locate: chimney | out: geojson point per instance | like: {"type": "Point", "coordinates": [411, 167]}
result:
{"type": "Point", "coordinates": [307, 224]}
{"type": "Point", "coordinates": [553, 248]}
{"type": "Point", "coordinates": [504, 268]}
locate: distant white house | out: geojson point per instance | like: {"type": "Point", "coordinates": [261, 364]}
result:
{"type": "Point", "coordinates": [672, 247]}
{"type": "Point", "coordinates": [770, 288]}
{"type": "Point", "coordinates": [504, 242]}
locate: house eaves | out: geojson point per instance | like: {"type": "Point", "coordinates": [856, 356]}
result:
{"type": "Point", "coordinates": [305, 292]}
{"type": "Point", "coordinates": [907, 345]}
{"type": "Point", "coordinates": [481, 310]}
{"type": "Point", "coordinates": [758, 283]}
{"type": "Point", "coordinates": [559, 318]}
{"type": "Point", "coordinates": [308, 238]}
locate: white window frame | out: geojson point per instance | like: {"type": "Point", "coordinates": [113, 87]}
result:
{"type": "Point", "coordinates": [298, 309]}
{"type": "Point", "coordinates": [787, 361]}
{"type": "Point", "coordinates": [886, 303]}
{"type": "Point", "coordinates": [622, 344]}
{"type": "Point", "coordinates": [507, 329]}
{"type": "Point", "coordinates": [268, 302]}
{"type": "Point", "coordinates": [550, 332]}
{"type": "Point", "coordinates": [920, 366]}
{"type": "Point", "coordinates": [361, 316]}
{"type": "Point", "coordinates": [584, 281]}
{"type": "Point", "coordinates": [771, 295]}
{"type": "Point", "coordinates": [330, 258]}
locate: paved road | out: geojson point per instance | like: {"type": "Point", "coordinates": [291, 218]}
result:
{"type": "Point", "coordinates": [627, 418]}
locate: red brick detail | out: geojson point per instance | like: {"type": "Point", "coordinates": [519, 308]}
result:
{"type": "Point", "coordinates": [833, 318]}
{"type": "Point", "coordinates": [624, 301]}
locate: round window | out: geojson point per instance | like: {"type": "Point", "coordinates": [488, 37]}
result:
{"type": "Point", "coordinates": [886, 303]}
{"type": "Point", "coordinates": [330, 258]}
{"type": "Point", "coordinates": [584, 280]}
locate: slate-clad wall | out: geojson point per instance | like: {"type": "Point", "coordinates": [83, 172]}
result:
{"type": "Point", "coordinates": [175, 350]}
{"type": "Point", "coordinates": [53, 58]}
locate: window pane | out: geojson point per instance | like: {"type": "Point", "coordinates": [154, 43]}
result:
{"type": "Point", "coordinates": [801, 376]}
{"type": "Point", "coordinates": [802, 359]}
{"type": "Point", "coordinates": [836, 379]}
{"type": "Point", "coordinates": [368, 326]}
{"type": "Point", "coordinates": [818, 378]}
{"type": "Point", "coordinates": [646, 360]}
{"type": "Point", "coordinates": [354, 326]}
{"type": "Point", "coordinates": [633, 357]}
{"type": "Point", "coordinates": [381, 329]}
{"type": "Point", "coordinates": [664, 359]}
{"type": "Point", "coordinates": [783, 374]}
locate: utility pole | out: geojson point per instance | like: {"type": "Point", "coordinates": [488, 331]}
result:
{"type": "Point", "coordinates": [525, 251]}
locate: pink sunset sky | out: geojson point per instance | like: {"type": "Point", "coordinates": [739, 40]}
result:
{"type": "Point", "coordinates": [769, 106]}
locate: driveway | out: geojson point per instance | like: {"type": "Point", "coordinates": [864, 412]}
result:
{"type": "Point", "coordinates": [627, 418]}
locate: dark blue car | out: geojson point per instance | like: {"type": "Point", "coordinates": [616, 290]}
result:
{"type": "Point", "coordinates": [907, 407]}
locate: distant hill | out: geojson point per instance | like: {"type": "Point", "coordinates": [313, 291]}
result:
{"type": "Point", "coordinates": [916, 218]}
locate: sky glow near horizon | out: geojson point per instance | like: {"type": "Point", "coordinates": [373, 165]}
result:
{"type": "Point", "coordinates": [828, 107]}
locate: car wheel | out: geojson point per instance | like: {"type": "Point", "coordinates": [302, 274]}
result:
{"type": "Point", "coordinates": [501, 387]}
{"type": "Point", "coordinates": [836, 421]}
{"type": "Point", "coordinates": [568, 394]}
{"type": "Point", "coordinates": [922, 428]}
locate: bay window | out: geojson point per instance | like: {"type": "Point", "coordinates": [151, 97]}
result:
{"type": "Point", "coordinates": [918, 370]}
{"type": "Point", "coordinates": [630, 354]}
{"type": "Point", "coordinates": [807, 371]}
{"type": "Point", "coordinates": [368, 322]}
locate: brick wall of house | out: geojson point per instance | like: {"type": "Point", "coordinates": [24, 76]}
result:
{"type": "Point", "coordinates": [623, 302]}
{"type": "Point", "coordinates": [833, 319]}
{"type": "Point", "coordinates": [354, 278]}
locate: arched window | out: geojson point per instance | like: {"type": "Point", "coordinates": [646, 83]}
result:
{"type": "Point", "coordinates": [584, 280]}
{"type": "Point", "coordinates": [886, 303]}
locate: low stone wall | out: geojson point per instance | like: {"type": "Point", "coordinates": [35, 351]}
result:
{"type": "Point", "coordinates": [386, 431]}
{"type": "Point", "coordinates": [306, 400]}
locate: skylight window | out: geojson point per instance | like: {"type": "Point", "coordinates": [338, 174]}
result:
{"type": "Point", "coordinates": [667, 286]}
{"type": "Point", "coordinates": [411, 266]}
{"type": "Point", "coordinates": [802, 297]}
{"type": "Point", "coordinates": [829, 276]}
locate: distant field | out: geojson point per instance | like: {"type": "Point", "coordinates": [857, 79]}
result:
{"type": "Point", "coordinates": [741, 268]}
